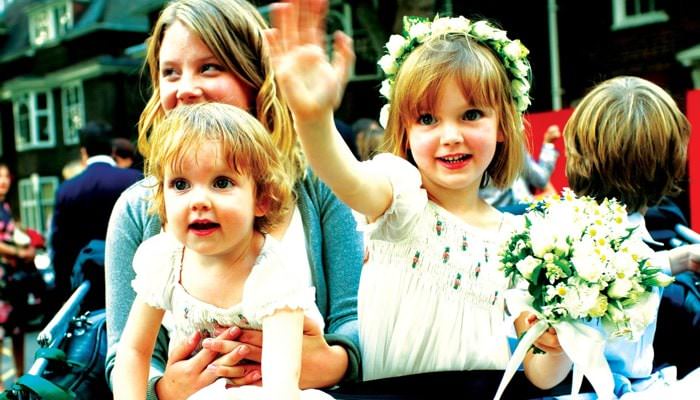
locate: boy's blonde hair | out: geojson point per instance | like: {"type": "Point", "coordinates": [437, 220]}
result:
{"type": "Point", "coordinates": [627, 139]}
{"type": "Point", "coordinates": [244, 142]}
{"type": "Point", "coordinates": [232, 30]}
{"type": "Point", "coordinates": [480, 76]}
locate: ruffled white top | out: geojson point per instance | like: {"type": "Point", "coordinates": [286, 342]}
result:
{"type": "Point", "coordinates": [431, 292]}
{"type": "Point", "coordinates": [271, 285]}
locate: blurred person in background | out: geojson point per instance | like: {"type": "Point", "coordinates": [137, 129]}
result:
{"type": "Point", "coordinates": [12, 252]}
{"type": "Point", "coordinates": [125, 155]}
{"type": "Point", "coordinates": [84, 203]}
{"type": "Point", "coordinates": [369, 136]}
{"type": "Point", "coordinates": [535, 175]}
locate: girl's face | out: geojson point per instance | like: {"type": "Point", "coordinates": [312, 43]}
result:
{"type": "Point", "coordinates": [454, 145]}
{"type": "Point", "coordinates": [189, 73]}
{"type": "Point", "coordinates": [209, 207]}
{"type": "Point", "coordinates": [5, 181]}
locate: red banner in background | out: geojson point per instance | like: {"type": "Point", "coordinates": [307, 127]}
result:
{"type": "Point", "coordinates": [539, 122]}
{"type": "Point", "coordinates": [693, 114]}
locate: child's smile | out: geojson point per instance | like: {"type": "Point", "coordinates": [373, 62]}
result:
{"type": "Point", "coordinates": [455, 161]}
{"type": "Point", "coordinates": [454, 142]}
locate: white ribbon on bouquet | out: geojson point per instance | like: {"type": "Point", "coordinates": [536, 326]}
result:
{"type": "Point", "coordinates": [584, 345]}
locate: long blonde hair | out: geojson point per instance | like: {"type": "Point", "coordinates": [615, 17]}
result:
{"type": "Point", "coordinates": [245, 144]}
{"type": "Point", "coordinates": [233, 32]}
{"type": "Point", "coordinates": [480, 76]}
{"type": "Point", "coordinates": [627, 139]}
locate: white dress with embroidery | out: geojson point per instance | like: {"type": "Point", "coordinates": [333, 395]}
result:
{"type": "Point", "coordinates": [271, 285]}
{"type": "Point", "coordinates": [431, 293]}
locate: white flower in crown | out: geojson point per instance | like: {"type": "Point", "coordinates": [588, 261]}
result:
{"type": "Point", "coordinates": [511, 53]}
{"type": "Point", "coordinates": [395, 46]}
{"type": "Point", "coordinates": [385, 90]}
{"type": "Point", "coordinates": [515, 50]}
{"type": "Point", "coordinates": [419, 31]}
{"type": "Point", "coordinates": [388, 64]}
{"type": "Point", "coordinates": [482, 30]}
{"type": "Point", "coordinates": [384, 115]}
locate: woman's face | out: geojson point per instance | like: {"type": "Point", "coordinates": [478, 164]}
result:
{"type": "Point", "coordinates": [5, 181]}
{"type": "Point", "coordinates": [189, 73]}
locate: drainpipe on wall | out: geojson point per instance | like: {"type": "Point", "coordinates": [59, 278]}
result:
{"type": "Point", "coordinates": [554, 54]}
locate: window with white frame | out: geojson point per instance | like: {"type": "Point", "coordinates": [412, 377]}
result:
{"type": "Point", "coordinates": [36, 201]}
{"type": "Point", "coordinates": [34, 120]}
{"type": "Point", "coordinates": [73, 104]}
{"type": "Point", "coordinates": [50, 21]}
{"type": "Point", "coordinates": [631, 13]}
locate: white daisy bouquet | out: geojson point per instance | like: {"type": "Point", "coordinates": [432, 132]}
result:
{"type": "Point", "coordinates": [575, 261]}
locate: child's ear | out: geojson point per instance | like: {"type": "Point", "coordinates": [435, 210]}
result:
{"type": "Point", "coordinates": [500, 137]}
{"type": "Point", "coordinates": [262, 206]}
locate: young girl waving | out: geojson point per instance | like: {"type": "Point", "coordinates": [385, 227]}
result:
{"type": "Point", "coordinates": [220, 187]}
{"type": "Point", "coordinates": [431, 292]}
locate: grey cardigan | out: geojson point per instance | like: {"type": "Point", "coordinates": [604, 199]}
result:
{"type": "Point", "coordinates": [333, 244]}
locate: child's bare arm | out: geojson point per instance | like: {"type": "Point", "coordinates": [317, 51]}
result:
{"type": "Point", "coordinates": [685, 258]}
{"type": "Point", "coordinates": [281, 356]}
{"type": "Point", "coordinates": [548, 369]}
{"type": "Point", "coordinates": [134, 353]}
{"type": "Point", "coordinates": [311, 85]}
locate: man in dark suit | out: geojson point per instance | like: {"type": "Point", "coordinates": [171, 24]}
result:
{"type": "Point", "coordinates": [84, 203]}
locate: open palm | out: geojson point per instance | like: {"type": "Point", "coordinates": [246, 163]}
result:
{"type": "Point", "coordinates": [312, 85]}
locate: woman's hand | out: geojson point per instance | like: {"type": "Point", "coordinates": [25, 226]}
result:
{"type": "Point", "coordinates": [184, 375]}
{"type": "Point", "coordinates": [321, 365]}
{"type": "Point", "coordinates": [312, 84]}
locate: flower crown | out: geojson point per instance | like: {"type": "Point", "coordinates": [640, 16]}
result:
{"type": "Point", "coordinates": [417, 30]}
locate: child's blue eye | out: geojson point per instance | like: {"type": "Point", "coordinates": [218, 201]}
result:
{"type": "Point", "coordinates": [473, 115]}
{"type": "Point", "coordinates": [179, 184]}
{"type": "Point", "coordinates": [223, 182]}
{"type": "Point", "coordinates": [426, 119]}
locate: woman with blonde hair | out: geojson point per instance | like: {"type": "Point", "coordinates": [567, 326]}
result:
{"type": "Point", "coordinates": [213, 51]}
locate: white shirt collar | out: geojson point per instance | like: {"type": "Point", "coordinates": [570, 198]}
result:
{"type": "Point", "coordinates": [636, 220]}
{"type": "Point", "coordinates": [101, 159]}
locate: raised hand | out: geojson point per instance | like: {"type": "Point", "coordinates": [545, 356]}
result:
{"type": "Point", "coordinates": [311, 83]}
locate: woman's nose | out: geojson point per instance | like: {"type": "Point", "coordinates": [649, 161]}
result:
{"type": "Point", "coordinates": [188, 90]}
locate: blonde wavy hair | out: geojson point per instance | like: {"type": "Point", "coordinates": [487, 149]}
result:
{"type": "Point", "coordinates": [480, 76]}
{"type": "Point", "coordinates": [245, 143]}
{"type": "Point", "coordinates": [233, 32]}
{"type": "Point", "coordinates": [627, 139]}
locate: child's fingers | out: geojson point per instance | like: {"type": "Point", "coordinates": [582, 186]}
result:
{"type": "Point", "coordinates": [312, 17]}
{"type": "Point", "coordinates": [694, 258]}
{"type": "Point", "coordinates": [182, 350]}
{"type": "Point", "coordinates": [252, 376]}
{"type": "Point", "coordinates": [283, 17]}
{"type": "Point", "coordinates": [549, 342]}
{"type": "Point", "coordinates": [227, 333]}
{"type": "Point", "coordinates": [343, 53]}
{"type": "Point", "coordinates": [251, 337]}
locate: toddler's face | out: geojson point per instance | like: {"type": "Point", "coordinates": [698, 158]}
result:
{"type": "Point", "coordinates": [210, 208]}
